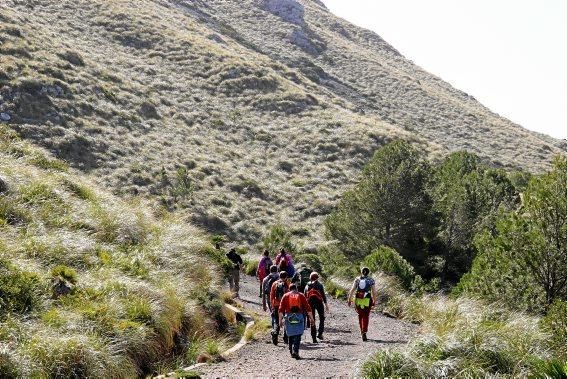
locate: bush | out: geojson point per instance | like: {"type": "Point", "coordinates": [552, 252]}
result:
{"type": "Point", "coordinates": [64, 273]}
{"type": "Point", "coordinates": [555, 323]}
{"type": "Point", "coordinates": [250, 266]}
{"type": "Point", "coordinates": [279, 236]}
{"type": "Point", "coordinates": [20, 292]}
{"type": "Point", "coordinates": [388, 261]}
{"type": "Point", "coordinates": [336, 290]}
{"type": "Point", "coordinates": [388, 364]}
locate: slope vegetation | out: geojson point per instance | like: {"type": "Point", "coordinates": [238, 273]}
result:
{"type": "Point", "coordinates": [272, 106]}
{"type": "Point", "coordinates": [91, 286]}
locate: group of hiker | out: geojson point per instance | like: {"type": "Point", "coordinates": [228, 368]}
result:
{"type": "Point", "coordinates": [295, 298]}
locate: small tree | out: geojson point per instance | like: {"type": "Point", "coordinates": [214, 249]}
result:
{"type": "Point", "coordinates": [525, 259]}
{"type": "Point", "coordinates": [389, 206]}
{"type": "Point", "coordinates": [279, 237]}
{"type": "Point", "coordinates": [183, 185]}
{"type": "Point", "coordinates": [545, 237]}
{"type": "Point", "coordinates": [467, 197]}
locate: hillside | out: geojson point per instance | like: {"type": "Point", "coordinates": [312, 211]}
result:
{"type": "Point", "coordinates": [272, 106]}
{"type": "Point", "coordinates": [93, 286]}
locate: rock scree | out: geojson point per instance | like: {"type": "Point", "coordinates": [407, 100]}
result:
{"type": "Point", "coordinates": [340, 354]}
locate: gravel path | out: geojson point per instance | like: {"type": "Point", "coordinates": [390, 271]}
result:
{"type": "Point", "coordinates": [339, 355]}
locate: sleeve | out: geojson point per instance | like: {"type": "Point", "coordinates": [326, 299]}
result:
{"type": "Point", "coordinates": [240, 259]}
{"type": "Point", "coordinates": [323, 293]}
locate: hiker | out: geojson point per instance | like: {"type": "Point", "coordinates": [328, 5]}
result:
{"type": "Point", "coordinates": [267, 286]}
{"type": "Point", "coordinates": [263, 269]}
{"type": "Point", "coordinates": [293, 308]}
{"type": "Point", "coordinates": [365, 298]}
{"type": "Point", "coordinates": [234, 272]}
{"type": "Point", "coordinates": [277, 292]}
{"type": "Point", "coordinates": [315, 294]}
{"type": "Point", "coordinates": [301, 277]}
{"type": "Point", "coordinates": [285, 263]}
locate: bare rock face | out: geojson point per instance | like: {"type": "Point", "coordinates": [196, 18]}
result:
{"type": "Point", "coordinates": [289, 10]}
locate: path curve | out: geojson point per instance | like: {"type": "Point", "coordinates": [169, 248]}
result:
{"type": "Point", "coordinates": [339, 355]}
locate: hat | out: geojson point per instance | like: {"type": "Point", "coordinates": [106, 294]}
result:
{"type": "Point", "coordinates": [314, 276]}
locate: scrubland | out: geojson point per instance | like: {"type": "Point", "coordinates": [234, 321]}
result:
{"type": "Point", "coordinates": [92, 285]}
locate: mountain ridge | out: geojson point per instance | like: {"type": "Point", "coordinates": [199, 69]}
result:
{"type": "Point", "coordinates": [272, 119]}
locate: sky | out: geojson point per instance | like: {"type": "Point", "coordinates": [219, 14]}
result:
{"type": "Point", "coordinates": [511, 55]}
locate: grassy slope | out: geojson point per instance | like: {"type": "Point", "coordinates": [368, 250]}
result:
{"type": "Point", "coordinates": [140, 303]}
{"type": "Point", "coordinates": [131, 90]}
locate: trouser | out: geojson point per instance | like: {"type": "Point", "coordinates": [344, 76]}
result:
{"type": "Point", "coordinates": [363, 318]}
{"type": "Point", "coordinates": [276, 322]}
{"type": "Point", "coordinates": [317, 307]}
{"type": "Point", "coordinates": [234, 280]}
{"type": "Point", "coordinates": [294, 342]}
{"type": "Point", "coordinates": [261, 287]}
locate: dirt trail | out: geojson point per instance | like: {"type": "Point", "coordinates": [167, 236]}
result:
{"type": "Point", "coordinates": [339, 355]}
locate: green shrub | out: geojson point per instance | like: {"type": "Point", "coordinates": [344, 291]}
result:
{"type": "Point", "coordinates": [335, 290]}
{"type": "Point", "coordinates": [65, 273]}
{"type": "Point", "coordinates": [80, 190]}
{"type": "Point", "coordinates": [388, 261]}
{"type": "Point", "coordinates": [555, 323]}
{"type": "Point", "coordinates": [20, 292]}
{"type": "Point", "coordinates": [550, 369]}
{"type": "Point", "coordinates": [279, 237]}
{"type": "Point", "coordinates": [138, 309]}
{"type": "Point", "coordinates": [250, 266]}
{"type": "Point", "coordinates": [44, 162]}
{"type": "Point", "coordinates": [388, 364]}
{"type": "Point", "coordinates": [37, 193]}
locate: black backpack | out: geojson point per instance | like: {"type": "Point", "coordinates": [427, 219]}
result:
{"type": "Point", "coordinates": [271, 280]}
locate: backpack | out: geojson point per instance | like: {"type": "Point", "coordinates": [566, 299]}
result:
{"type": "Point", "coordinates": [313, 293]}
{"type": "Point", "coordinates": [283, 265]}
{"type": "Point", "coordinates": [363, 298]}
{"type": "Point", "coordinates": [364, 285]}
{"type": "Point", "coordinates": [304, 277]}
{"type": "Point", "coordinates": [267, 264]}
{"type": "Point", "coordinates": [264, 267]}
{"type": "Point", "coordinates": [280, 289]}
{"type": "Point", "coordinates": [295, 303]}
{"type": "Point", "coordinates": [268, 285]}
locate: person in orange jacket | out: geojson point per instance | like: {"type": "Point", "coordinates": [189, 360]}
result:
{"type": "Point", "coordinates": [293, 308]}
{"type": "Point", "coordinates": [279, 288]}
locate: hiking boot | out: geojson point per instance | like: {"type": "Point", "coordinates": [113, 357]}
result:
{"type": "Point", "coordinates": [364, 338]}
{"type": "Point", "coordinates": [314, 340]}
{"type": "Point", "coordinates": [275, 338]}
{"type": "Point", "coordinates": [320, 336]}
{"type": "Point", "coordinates": [295, 355]}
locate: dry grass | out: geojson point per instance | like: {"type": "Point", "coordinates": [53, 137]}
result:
{"type": "Point", "coordinates": [142, 288]}
{"type": "Point", "coordinates": [272, 119]}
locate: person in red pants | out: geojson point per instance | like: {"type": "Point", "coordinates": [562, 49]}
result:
{"type": "Point", "coordinates": [364, 293]}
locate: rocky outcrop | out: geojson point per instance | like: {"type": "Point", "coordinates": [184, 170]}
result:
{"type": "Point", "coordinates": [289, 10]}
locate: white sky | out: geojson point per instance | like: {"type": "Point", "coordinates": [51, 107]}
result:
{"type": "Point", "coordinates": [511, 55]}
